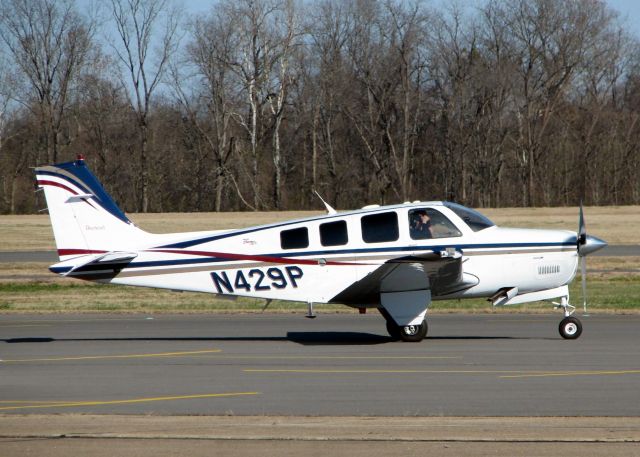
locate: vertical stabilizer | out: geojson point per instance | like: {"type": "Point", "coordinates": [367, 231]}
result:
{"type": "Point", "coordinates": [85, 219]}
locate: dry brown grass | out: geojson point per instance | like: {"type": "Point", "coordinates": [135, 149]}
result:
{"type": "Point", "coordinates": [33, 232]}
{"type": "Point", "coordinates": [616, 224]}
{"type": "Point", "coordinates": [19, 272]}
{"type": "Point", "coordinates": [26, 233]}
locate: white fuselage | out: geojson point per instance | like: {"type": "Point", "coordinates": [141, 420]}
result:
{"type": "Point", "coordinates": [263, 262]}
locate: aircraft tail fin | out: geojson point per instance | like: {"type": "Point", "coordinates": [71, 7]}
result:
{"type": "Point", "coordinates": [84, 217]}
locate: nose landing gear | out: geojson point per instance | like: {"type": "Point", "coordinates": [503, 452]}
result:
{"type": "Point", "coordinates": [570, 327]}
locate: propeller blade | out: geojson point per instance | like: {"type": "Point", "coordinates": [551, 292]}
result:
{"type": "Point", "coordinates": [583, 266]}
{"type": "Point", "coordinates": [582, 230]}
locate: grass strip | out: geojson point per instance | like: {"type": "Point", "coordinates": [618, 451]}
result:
{"type": "Point", "coordinates": [614, 294]}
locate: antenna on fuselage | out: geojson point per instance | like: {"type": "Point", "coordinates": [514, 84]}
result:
{"type": "Point", "coordinates": [330, 209]}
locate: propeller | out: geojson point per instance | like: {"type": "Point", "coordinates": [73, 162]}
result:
{"type": "Point", "coordinates": [586, 245]}
{"type": "Point", "coordinates": [582, 241]}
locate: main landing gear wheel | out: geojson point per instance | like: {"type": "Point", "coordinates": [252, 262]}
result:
{"type": "Point", "coordinates": [393, 330]}
{"type": "Point", "coordinates": [570, 328]}
{"type": "Point", "coordinates": [413, 333]}
{"type": "Point", "coordinates": [410, 333]}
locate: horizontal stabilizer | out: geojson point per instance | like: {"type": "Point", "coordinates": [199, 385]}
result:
{"type": "Point", "coordinates": [100, 259]}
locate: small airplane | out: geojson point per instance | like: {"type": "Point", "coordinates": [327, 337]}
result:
{"type": "Point", "coordinates": [396, 258]}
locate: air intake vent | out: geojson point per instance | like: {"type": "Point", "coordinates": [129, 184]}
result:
{"type": "Point", "coordinates": [548, 269]}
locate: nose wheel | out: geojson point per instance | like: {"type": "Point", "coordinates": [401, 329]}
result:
{"type": "Point", "coordinates": [570, 328]}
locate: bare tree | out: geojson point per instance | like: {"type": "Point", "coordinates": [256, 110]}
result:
{"type": "Point", "coordinates": [7, 94]}
{"type": "Point", "coordinates": [548, 53]}
{"type": "Point", "coordinates": [208, 105]}
{"type": "Point", "coordinates": [607, 57]}
{"type": "Point", "coordinates": [9, 164]}
{"type": "Point", "coordinates": [49, 42]}
{"type": "Point", "coordinates": [104, 118]}
{"type": "Point", "coordinates": [329, 26]}
{"type": "Point", "coordinates": [287, 32]}
{"type": "Point", "coordinates": [256, 52]}
{"type": "Point", "coordinates": [386, 50]}
{"type": "Point", "coordinates": [523, 102]}
{"type": "Point", "coordinates": [136, 22]}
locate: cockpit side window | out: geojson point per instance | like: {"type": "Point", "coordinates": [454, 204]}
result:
{"type": "Point", "coordinates": [380, 228]}
{"type": "Point", "coordinates": [425, 223]}
{"type": "Point", "coordinates": [471, 217]}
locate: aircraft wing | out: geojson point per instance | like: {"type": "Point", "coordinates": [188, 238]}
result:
{"type": "Point", "coordinates": [441, 272]}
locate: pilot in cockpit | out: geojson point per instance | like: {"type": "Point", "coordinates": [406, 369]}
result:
{"type": "Point", "coordinates": [421, 225]}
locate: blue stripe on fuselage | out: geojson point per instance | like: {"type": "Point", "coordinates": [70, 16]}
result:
{"type": "Point", "coordinates": [435, 249]}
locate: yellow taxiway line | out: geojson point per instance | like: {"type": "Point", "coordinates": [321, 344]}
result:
{"type": "Point", "coordinates": [503, 374]}
{"type": "Point", "coordinates": [365, 371]}
{"type": "Point", "coordinates": [71, 404]}
{"type": "Point", "coordinates": [232, 357]}
{"type": "Point", "coordinates": [24, 325]}
{"type": "Point", "coordinates": [118, 356]}
{"type": "Point", "coordinates": [572, 373]}
{"type": "Point", "coordinates": [333, 357]}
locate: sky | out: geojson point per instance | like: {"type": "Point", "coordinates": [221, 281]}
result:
{"type": "Point", "coordinates": [629, 10]}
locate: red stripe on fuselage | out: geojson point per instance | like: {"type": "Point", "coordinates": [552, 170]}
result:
{"type": "Point", "coordinates": [219, 255]}
{"type": "Point", "coordinates": [259, 258]}
{"type": "Point", "coordinates": [62, 252]}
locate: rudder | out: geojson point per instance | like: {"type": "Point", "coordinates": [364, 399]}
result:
{"type": "Point", "coordinates": [85, 219]}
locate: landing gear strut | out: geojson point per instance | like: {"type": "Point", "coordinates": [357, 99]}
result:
{"type": "Point", "coordinates": [570, 327]}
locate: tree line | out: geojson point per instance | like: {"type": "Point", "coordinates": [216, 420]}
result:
{"type": "Point", "coordinates": [258, 103]}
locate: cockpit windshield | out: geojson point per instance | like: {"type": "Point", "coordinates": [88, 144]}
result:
{"type": "Point", "coordinates": [471, 217]}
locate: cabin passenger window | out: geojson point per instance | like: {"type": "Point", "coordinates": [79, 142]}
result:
{"type": "Point", "coordinates": [425, 223]}
{"type": "Point", "coordinates": [295, 238]}
{"type": "Point", "coordinates": [379, 228]}
{"type": "Point", "coordinates": [334, 233]}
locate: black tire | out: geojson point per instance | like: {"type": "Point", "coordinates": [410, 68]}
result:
{"type": "Point", "coordinates": [393, 330]}
{"type": "Point", "coordinates": [413, 333]}
{"type": "Point", "coordinates": [570, 328]}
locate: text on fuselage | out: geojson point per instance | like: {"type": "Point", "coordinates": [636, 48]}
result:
{"type": "Point", "coordinates": [256, 279]}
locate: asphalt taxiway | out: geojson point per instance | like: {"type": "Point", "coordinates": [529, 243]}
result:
{"type": "Point", "coordinates": [335, 365]}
